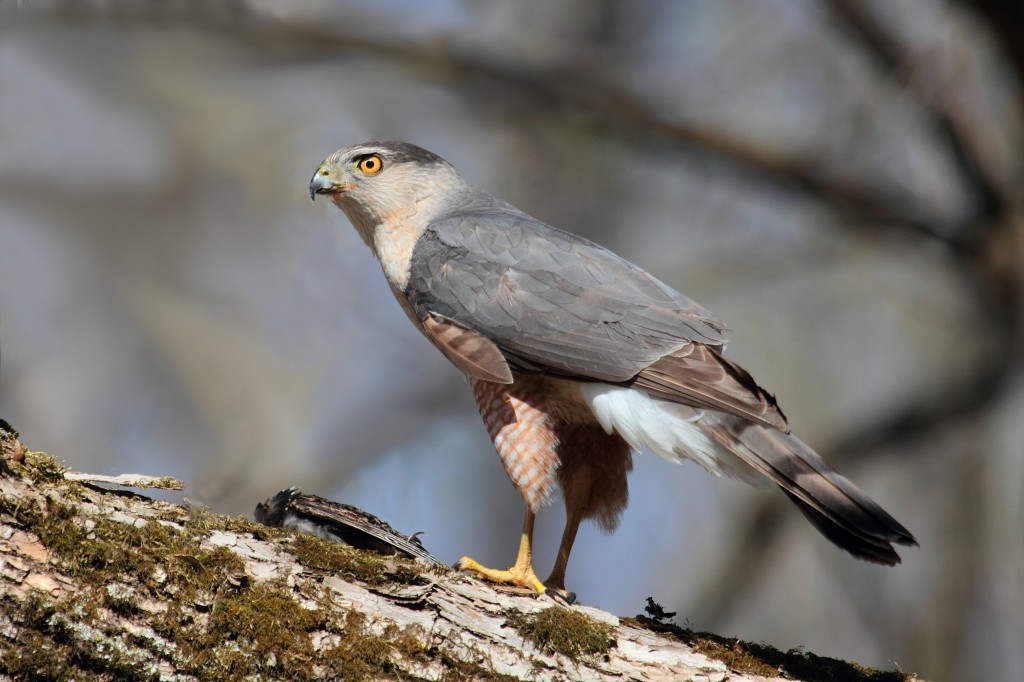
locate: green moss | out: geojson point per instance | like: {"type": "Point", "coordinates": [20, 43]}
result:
{"type": "Point", "coordinates": [738, 656]}
{"type": "Point", "coordinates": [319, 554]}
{"type": "Point", "coordinates": [37, 658]}
{"type": "Point", "coordinates": [361, 654]}
{"type": "Point", "coordinates": [270, 624]}
{"type": "Point", "coordinates": [200, 570]}
{"type": "Point", "coordinates": [121, 598]}
{"type": "Point", "coordinates": [152, 560]}
{"type": "Point", "coordinates": [195, 580]}
{"type": "Point", "coordinates": [42, 468]}
{"type": "Point", "coordinates": [249, 631]}
{"type": "Point", "coordinates": [32, 656]}
{"type": "Point", "coordinates": [330, 557]}
{"type": "Point", "coordinates": [97, 548]}
{"type": "Point", "coordinates": [240, 524]}
{"type": "Point", "coordinates": [767, 661]}
{"type": "Point", "coordinates": [565, 631]}
{"type": "Point", "coordinates": [94, 648]}
{"type": "Point", "coordinates": [458, 670]}
{"type": "Point", "coordinates": [66, 639]}
{"type": "Point", "coordinates": [218, 624]}
{"type": "Point", "coordinates": [163, 483]}
{"type": "Point", "coordinates": [264, 631]}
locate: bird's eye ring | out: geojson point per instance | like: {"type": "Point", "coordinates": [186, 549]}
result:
{"type": "Point", "coordinates": [371, 165]}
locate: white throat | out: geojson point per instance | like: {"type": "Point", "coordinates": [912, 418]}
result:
{"type": "Point", "coordinates": [391, 228]}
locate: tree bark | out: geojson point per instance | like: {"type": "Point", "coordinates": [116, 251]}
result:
{"type": "Point", "coordinates": [109, 584]}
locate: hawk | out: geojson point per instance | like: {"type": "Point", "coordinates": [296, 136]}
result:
{"type": "Point", "coordinates": [577, 357]}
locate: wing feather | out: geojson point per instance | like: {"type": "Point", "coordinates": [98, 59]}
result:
{"type": "Point", "coordinates": [468, 350]}
{"type": "Point", "coordinates": [706, 379]}
{"type": "Point", "coordinates": [550, 300]}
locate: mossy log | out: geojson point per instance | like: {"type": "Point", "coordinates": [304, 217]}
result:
{"type": "Point", "coordinates": [98, 584]}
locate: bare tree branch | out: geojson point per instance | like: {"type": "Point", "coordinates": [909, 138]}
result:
{"type": "Point", "coordinates": [94, 584]}
{"type": "Point", "coordinates": [555, 87]}
{"type": "Point", "coordinates": [1005, 18]}
{"type": "Point", "coordinates": [880, 42]}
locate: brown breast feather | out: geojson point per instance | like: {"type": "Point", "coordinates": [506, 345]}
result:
{"type": "Point", "coordinates": [698, 375]}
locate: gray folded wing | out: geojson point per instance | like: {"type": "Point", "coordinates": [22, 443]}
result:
{"type": "Point", "coordinates": [554, 302]}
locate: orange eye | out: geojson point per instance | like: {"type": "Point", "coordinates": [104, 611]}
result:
{"type": "Point", "coordinates": [371, 165]}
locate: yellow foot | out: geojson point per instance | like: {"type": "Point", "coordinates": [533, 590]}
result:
{"type": "Point", "coordinates": [520, 576]}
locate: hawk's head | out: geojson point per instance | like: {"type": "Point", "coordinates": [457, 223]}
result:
{"type": "Point", "coordinates": [377, 182]}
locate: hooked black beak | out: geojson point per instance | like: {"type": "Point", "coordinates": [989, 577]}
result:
{"type": "Point", "coordinates": [321, 185]}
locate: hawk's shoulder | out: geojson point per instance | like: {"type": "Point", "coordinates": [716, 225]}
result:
{"type": "Point", "coordinates": [547, 298]}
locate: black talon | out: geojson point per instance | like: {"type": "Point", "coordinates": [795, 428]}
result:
{"type": "Point", "coordinates": [562, 597]}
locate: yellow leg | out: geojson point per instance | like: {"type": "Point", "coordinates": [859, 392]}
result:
{"type": "Point", "coordinates": [521, 573]}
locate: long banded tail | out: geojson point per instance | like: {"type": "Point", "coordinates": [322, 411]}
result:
{"type": "Point", "coordinates": [728, 444]}
{"type": "Point", "coordinates": [829, 500]}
